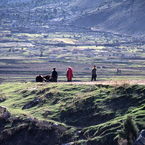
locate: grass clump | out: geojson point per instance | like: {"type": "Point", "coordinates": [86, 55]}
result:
{"type": "Point", "coordinates": [129, 131]}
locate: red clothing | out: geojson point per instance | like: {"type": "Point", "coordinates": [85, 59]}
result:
{"type": "Point", "coordinates": [69, 73]}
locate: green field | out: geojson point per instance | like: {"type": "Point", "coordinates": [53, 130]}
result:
{"type": "Point", "coordinates": [25, 55]}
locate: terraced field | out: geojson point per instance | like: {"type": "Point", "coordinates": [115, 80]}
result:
{"type": "Point", "coordinates": [25, 55]}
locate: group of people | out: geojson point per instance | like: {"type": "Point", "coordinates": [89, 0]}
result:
{"type": "Point", "coordinates": [54, 75]}
{"type": "Point", "coordinates": [69, 74]}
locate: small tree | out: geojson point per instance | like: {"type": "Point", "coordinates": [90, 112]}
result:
{"type": "Point", "coordinates": [129, 131]}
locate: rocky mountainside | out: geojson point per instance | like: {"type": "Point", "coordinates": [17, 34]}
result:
{"type": "Point", "coordinates": [86, 4]}
{"type": "Point", "coordinates": [122, 16]}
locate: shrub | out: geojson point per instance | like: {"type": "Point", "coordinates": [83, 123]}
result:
{"type": "Point", "coordinates": [129, 131]}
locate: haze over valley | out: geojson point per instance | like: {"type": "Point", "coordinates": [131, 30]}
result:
{"type": "Point", "coordinates": [36, 36]}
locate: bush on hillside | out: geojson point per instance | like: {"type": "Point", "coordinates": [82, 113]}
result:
{"type": "Point", "coordinates": [129, 132]}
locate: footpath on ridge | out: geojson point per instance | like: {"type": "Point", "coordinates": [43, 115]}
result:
{"type": "Point", "coordinates": [138, 82]}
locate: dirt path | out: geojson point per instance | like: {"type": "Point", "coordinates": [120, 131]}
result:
{"type": "Point", "coordinates": [139, 82]}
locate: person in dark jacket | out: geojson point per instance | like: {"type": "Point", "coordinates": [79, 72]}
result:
{"type": "Point", "coordinates": [94, 73]}
{"type": "Point", "coordinates": [54, 75]}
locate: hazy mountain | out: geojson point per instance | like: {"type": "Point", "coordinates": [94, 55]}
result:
{"type": "Point", "coordinates": [5, 2]}
{"type": "Point", "coordinates": [86, 4]}
{"type": "Point", "coordinates": [127, 16]}
{"type": "Point", "coordinates": [121, 16]}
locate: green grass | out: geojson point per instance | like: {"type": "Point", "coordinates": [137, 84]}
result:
{"type": "Point", "coordinates": [96, 110]}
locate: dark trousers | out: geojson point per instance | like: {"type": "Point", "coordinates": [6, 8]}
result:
{"type": "Point", "coordinates": [54, 79]}
{"type": "Point", "coordinates": [69, 80]}
{"type": "Point", "coordinates": [94, 77]}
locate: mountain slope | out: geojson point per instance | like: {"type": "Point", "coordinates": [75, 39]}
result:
{"type": "Point", "coordinates": [86, 4]}
{"type": "Point", "coordinates": [124, 17]}
{"type": "Point", "coordinates": [5, 2]}
{"type": "Point", "coordinates": [127, 16]}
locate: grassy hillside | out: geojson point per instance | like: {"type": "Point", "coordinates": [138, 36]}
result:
{"type": "Point", "coordinates": [82, 114]}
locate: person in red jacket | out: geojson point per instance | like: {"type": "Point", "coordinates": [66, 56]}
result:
{"type": "Point", "coordinates": [69, 74]}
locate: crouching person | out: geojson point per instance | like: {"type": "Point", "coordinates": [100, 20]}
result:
{"type": "Point", "coordinates": [47, 78]}
{"type": "Point", "coordinates": [39, 78]}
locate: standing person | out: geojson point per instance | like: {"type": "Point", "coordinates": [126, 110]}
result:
{"type": "Point", "coordinates": [69, 74]}
{"type": "Point", "coordinates": [94, 73]}
{"type": "Point", "coordinates": [54, 75]}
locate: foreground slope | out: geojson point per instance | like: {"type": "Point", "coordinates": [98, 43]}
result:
{"type": "Point", "coordinates": [50, 113]}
